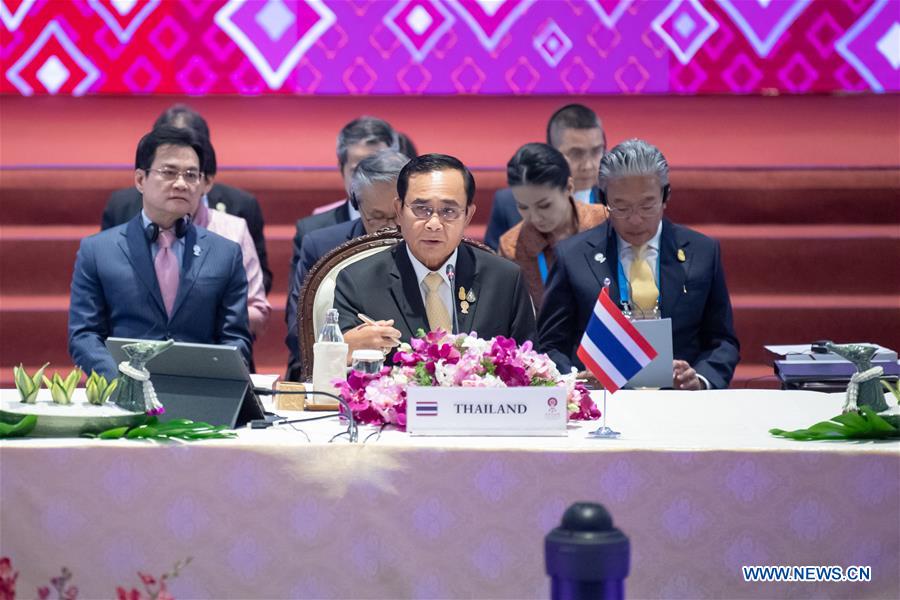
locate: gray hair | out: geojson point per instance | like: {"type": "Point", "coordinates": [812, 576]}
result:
{"type": "Point", "coordinates": [633, 157]}
{"type": "Point", "coordinates": [366, 130]}
{"type": "Point", "coordinates": [382, 167]}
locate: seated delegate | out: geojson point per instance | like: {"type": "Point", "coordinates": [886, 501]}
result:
{"type": "Point", "coordinates": [542, 185]}
{"type": "Point", "coordinates": [653, 264]}
{"type": "Point", "coordinates": [158, 276]}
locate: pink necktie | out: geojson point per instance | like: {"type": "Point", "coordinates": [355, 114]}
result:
{"type": "Point", "coordinates": [167, 270]}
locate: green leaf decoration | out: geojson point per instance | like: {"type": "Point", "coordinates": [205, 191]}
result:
{"type": "Point", "coordinates": [98, 390]}
{"type": "Point", "coordinates": [176, 429]}
{"type": "Point", "coordinates": [61, 389]}
{"type": "Point", "coordinates": [28, 385]}
{"type": "Point", "coordinates": [20, 429]}
{"type": "Point", "coordinates": [423, 377]}
{"type": "Point", "coordinates": [865, 425]}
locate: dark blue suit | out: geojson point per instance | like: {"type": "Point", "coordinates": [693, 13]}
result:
{"type": "Point", "coordinates": [504, 215]}
{"type": "Point", "coordinates": [115, 293]}
{"type": "Point", "coordinates": [315, 245]}
{"type": "Point", "coordinates": [125, 203]}
{"type": "Point", "coordinates": [338, 214]}
{"type": "Point", "coordinates": [693, 293]}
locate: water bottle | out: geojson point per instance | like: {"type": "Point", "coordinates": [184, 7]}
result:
{"type": "Point", "coordinates": [329, 359]}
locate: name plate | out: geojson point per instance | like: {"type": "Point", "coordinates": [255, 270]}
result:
{"type": "Point", "coordinates": [516, 411]}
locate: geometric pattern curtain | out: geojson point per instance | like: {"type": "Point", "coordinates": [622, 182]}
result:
{"type": "Point", "coordinates": [505, 47]}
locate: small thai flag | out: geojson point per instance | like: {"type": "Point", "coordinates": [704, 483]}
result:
{"type": "Point", "coordinates": [611, 348]}
{"type": "Point", "coordinates": [426, 409]}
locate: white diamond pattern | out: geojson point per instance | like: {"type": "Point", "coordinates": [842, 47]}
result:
{"type": "Point", "coordinates": [685, 25]}
{"type": "Point", "coordinates": [53, 29]}
{"type": "Point", "coordinates": [275, 18]}
{"type": "Point", "coordinates": [889, 45]}
{"type": "Point", "coordinates": [419, 20]}
{"type": "Point", "coordinates": [274, 75]}
{"type": "Point", "coordinates": [53, 74]}
{"type": "Point", "coordinates": [123, 7]}
{"type": "Point", "coordinates": [682, 52]}
{"type": "Point", "coordinates": [490, 7]}
{"type": "Point", "coordinates": [552, 44]}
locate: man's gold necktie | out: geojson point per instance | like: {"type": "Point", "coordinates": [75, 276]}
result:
{"type": "Point", "coordinates": [644, 292]}
{"type": "Point", "coordinates": [435, 310]}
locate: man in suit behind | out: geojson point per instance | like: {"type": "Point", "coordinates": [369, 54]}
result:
{"type": "Point", "coordinates": [654, 265]}
{"type": "Point", "coordinates": [430, 280]}
{"type": "Point", "coordinates": [158, 276]}
{"type": "Point", "coordinates": [576, 131]}
{"type": "Point", "coordinates": [358, 139]}
{"type": "Point", "coordinates": [126, 203]}
{"type": "Point", "coordinates": [373, 186]}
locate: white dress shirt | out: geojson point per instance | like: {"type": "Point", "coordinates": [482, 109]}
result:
{"type": "Point", "coordinates": [445, 291]}
{"type": "Point", "coordinates": [651, 254]}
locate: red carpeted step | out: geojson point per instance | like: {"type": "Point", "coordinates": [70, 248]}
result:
{"type": "Point", "coordinates": [782, 258]}
{"type": "Point", "coordinates": [750, 196]}
{"type": "Point", "coordinates": [794, 319]}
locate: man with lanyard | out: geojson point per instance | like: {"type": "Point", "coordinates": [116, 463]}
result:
{"type": "Point", "coordinates": [655, 266]}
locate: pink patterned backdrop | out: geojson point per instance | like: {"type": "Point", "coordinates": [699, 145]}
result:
{"type": "Point", "coordinates": [254, 47]}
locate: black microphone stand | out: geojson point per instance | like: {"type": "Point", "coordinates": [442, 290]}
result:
{"type": "Point", "coordinates": [451, 275]}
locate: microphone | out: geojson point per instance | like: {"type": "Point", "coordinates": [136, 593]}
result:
{"type": "Point", "coordinates": [451, 275]}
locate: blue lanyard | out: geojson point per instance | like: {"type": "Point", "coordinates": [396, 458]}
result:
{"type": "Point", "coordinates": [593, 199]}
{"type": "Point", "coordinates": [542, 265]}
{"type": "Point", "coordinates": [623, 283]}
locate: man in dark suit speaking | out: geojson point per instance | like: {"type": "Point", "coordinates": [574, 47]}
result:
{"type": "Point", "coordinates": [158, 276]}
{"type": "Point", "coordinates": [653, 264]}
{"type": "Point", "coordinates": [430, 280]}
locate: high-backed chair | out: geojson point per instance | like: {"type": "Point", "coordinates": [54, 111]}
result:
{"type": "Point", "coordinates": [317, 294]}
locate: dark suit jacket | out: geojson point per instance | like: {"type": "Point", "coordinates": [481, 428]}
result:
{"type": "Point", "coordinates": [504, 215]}
{"type": "Point", "coordinates": [316, 244]}
{"type": "Point", "coordinates": [125, 203]}
{"type": "Point", "coordinates": [693, 293]}
{"type": "Point", "coordinates": [115, 293]}
{"type": "Point", "coordinates": [339, 214]}
{"type": "Point", "coordinates": [384, 286]}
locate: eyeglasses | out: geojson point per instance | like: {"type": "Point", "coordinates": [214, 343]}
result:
{"type": "Point", "coordinates": [424, 212]}
{"type": "Point", "coordinates": [170, 175]}
{"type": "Point", "coordinates": [645, 212]}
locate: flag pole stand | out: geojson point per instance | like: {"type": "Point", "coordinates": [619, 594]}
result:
{"type": "Point", "coordinates": [604, 432]}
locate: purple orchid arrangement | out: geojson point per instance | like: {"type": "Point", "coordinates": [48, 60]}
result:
{"type": "Point", "coordinates": [463, 360]}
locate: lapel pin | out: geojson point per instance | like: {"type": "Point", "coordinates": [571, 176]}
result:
{"type": "Point", "coordinates": [464, 307]}
{"type": "Point", "coordinates": [681, 256]}
{"type": "Point", "coordinates": [197, 250]}
{"type": "Point", "coordinates": [599, 257]}
{"type": "Point", "coordinates": [220, 206]}
{"type": "Point", "coordinates": [462, 293]}
{"type": "Point", "coordinates": [470, 297]}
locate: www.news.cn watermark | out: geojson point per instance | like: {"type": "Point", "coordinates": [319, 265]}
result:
{"type": "Point", "coordinates": [808, 573]}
